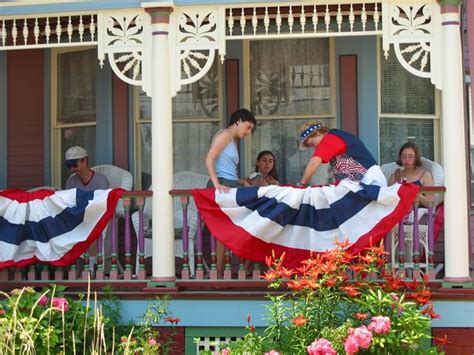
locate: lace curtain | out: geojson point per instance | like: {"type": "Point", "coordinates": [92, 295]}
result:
{"type": "Point", "coordinates": [195, 121]}
{"type": "Point", "coordinates": [76, 103]}
{"type": "Point", "coordinates": [288, 79]}
{"type": "Point", "coordinates": [405, 95]}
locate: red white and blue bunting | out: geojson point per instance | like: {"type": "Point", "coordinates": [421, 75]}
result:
{"type": "Point", "coordinates": [53, 227]}
{"type": "Point", "coordinates": [255, 222]}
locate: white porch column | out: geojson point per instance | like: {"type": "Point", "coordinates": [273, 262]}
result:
{"type": "Point", "coordinates": [456, 243]}
{"type": "Point", "coordinates": [162, 148]}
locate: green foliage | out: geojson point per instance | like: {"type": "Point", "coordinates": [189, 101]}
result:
{"type": "Point", "coordinates": [45, 322]}
{"type": "Point", "coordinates": [328, 312]}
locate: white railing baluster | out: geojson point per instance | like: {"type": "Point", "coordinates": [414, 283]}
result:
{"type": "Point", "coordinates": [278, 20]}
{"type": "Point", "coordinates": [47, 30]}
{"type": "Point", "coordinates": [80, 29]}
{"type": "Point", "coordinates": [242, 21]}
{"type": "Point", "coordinates": [230, 22]}
{"type": "Point", "coordinates": [351, 18]}
{"type": "Point", "coordinates": [4, 33]}
{"type": "Point", "coordinates": [254, 21]}
{"type": "Point", "coordinates": [291, 20]}
{"type": "Point", "coordinates": [69, 29]}
{"type": "Point", "coordinates": [58, 30]}
{"type": "Point", "coordinates": [363, 17]}
{"type": "Point", "coordinates": [25, 31]}
{"type": "Point", "coordinates": [92, 28]}
{"type": "Point", "coordinates": [327, 18]}
{"type": "Point", "coordinates": [266, 20]}
{"type": "Point", "coordinates": [14, 32]}
{"type": "Point", "coordinates": [339, 18]}
{"type": "Point", "coordinates": [315, 19]}
{"type": "Point", "coordinates": [376, 17]}
{"type": "Point", "coordinates": [302, 19]}
{"type": "Point", "coordinates": [36, 31]}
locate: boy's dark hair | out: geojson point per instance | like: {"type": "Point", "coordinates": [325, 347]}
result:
{"type": "Point", "coordinates": [244, 115]}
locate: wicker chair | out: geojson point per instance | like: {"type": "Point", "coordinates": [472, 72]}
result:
{"type": "Point", "coordinates": [438, 179]}
{"type": "Point", "coordinates": [181, 180]}
{"type": "Point", "coordinates": [118, 178]}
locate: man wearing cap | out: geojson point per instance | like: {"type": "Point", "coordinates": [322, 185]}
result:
{"type": "Point", "coordinates": [84, 177]}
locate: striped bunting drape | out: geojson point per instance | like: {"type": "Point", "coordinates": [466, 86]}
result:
{"type": "Point", "coordinates": [53, 227]}
{"type": "Point", "coordinates": [253, 222]}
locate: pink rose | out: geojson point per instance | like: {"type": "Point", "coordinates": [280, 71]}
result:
{"type": "Point", "coordinates": [152, 342]}
{"type": "Point", "coordinates": [380, 325]}
{"type": "Point", "coordinates": [351, 345]}
{"type": "Point", "coordinates": [60, 304]}
{"type": "Point", "coordinates": [225, 352]}
{"type": "Point", "coordinates": [43, 300]}
{"type": "Point", "coordinates": [273, 352]}
{"type": "Point", "coordinates": [363, 336]}
{"type": "Point", "coordinates": [321, 347]}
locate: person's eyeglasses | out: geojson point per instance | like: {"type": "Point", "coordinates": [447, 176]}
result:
{"type": "Point", "coordinates": [73, 165]}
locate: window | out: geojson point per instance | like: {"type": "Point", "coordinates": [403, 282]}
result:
{"type": "Point", "coordinates": [73, 106]}
{"type": "Point", "coordinates": [197, 116]}
{"type": "Point", "coordinates": [408, 110]}
{"type": "Point", "coordinates": [290, 82]}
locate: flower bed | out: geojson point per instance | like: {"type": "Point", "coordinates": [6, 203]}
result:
{"type": "Point", "coordinates": [337, 306]}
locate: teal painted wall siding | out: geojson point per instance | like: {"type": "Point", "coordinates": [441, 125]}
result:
{"type": "Point", "coordinates": [233, 313]}
{"type": "Point", "coordinates": [47, 117]}
{"type": "Point", "coordinates": [3, 120]}
{"type": "Point", "coordinates": [366, 50]}
{"type": "Point", "coordinates": [104, 133]}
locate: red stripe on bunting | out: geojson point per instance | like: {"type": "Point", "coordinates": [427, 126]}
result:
{"type": "Point", "coordinates": [22, 196]}
{"type": "Point", "coordinates": [79, 248]}
{"type": "Point", "coordinates": [247, 246]}
{"type": "Point", "coordinates": [407, 194]}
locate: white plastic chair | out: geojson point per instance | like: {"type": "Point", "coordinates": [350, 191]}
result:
{"type": "Point", "coordinates": [181, 180]}
{"type": "Point", "coordinates": [438, 179]}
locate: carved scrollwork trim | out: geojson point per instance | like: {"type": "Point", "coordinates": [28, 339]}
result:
{"type": "Point", "coordinates": [411, 28]}
{"type": "Point", "coordinates": [122, 38]}
{"type": "Point", "coordinates": [200, 33]}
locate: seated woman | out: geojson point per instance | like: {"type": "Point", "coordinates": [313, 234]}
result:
{"type": "Point", "coordinates": [409, 160]}
{"type": "Point", "coordinates": [265, 170]}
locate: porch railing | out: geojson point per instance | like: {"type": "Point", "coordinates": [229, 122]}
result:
{"type": "Point", "coordinates": [122, 255]}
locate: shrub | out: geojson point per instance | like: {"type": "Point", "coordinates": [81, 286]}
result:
{"type": "Point", "coordinates": [329, 312]}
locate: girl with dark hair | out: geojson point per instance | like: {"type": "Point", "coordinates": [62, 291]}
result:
{"type": "Point", "coordinates": [222, 161]}
{"type": "Point", "coordinates": [265, 170]}
{"type": "Point", "coordinates": [409, 160]}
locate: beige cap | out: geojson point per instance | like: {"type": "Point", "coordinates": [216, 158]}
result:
{"type": "Point", "coordinates": [75, 153]}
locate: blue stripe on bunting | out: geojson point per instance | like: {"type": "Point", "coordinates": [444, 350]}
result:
{"type": "Point", "coordinates": [323, 219]}
{"type": "Point", "coordinates": [49, 227]}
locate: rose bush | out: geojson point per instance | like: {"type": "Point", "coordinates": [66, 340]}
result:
{"type": "Point", "coordinates": [337, 306]}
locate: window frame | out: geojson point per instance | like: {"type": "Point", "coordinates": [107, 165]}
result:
{"type": "Point", "coordinates": [56, 139]}
{"type": "Point", "coordinates": [435, 117]}
{"type": "Point", "coordinates": [137, 121]}
{"type": "Point", "coordinates": [331, 117]}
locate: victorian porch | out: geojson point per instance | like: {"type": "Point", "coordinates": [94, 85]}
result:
{"type": "Point", "coordinates": [357, 65]}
